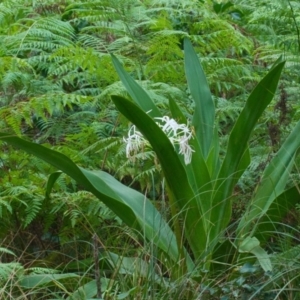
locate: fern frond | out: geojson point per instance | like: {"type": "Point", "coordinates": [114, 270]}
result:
{"type": "Point", "coordinates": [34, 206]}
{"type": "Point", "coordinates": [6, 251]}
{"type": "Point", "coordinates": [41, 34]}
{"type": "Point", "coordinates": [9, 271]}
{"type": "Point", "coordinates": [6, 205]}
{"type": "Point", "coordinates": [39, 270]}
{"type": "Point", "coordinates": [227, 111]}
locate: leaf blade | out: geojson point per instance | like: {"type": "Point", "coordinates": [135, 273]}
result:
{"type": "Point", "coordinates": [136, 92]}
{"type": "Point", "coordinates": [273, 182]}
{"type": "Point", "coordinates": [204, 115]}
{"type": "Point", "coordinates": [257, 102]}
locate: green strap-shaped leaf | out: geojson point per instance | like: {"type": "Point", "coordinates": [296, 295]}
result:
{"type": "Point", "coordinates": [206, 144]}
{"type": "Point", "coordinates": [140, 97]}
{"type": "Point", "coordinates": [131, 206]}
{"type": "Point", "coordinates": [237, 145]}
{"type": "Point", "coordinates": [200, 180]}
{"type": "Point", "coordinates": [34, 280]}
{"type": "Point", "coordinates": [176, 112]}
{"type": "Point", "coordinates": [51, 181]}
{"type": "Point", "coordinates": [174, 172]}
{"type": "Point", "coordinates": [88, 290]}
{"type": "Point", "coordinates": [213, 160]}
{"type": "Point", "coordinates": [272, 183]}
{"type": "Point", "coordinates": [197, 171]}
{"type": "Point", "coordinates": [204, 115]}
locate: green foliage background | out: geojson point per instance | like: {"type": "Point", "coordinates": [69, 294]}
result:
{"type": "Point", "coordinates": [56, 79]}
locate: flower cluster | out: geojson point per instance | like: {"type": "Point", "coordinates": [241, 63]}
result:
{"type": "Point", "coordinates": [178, 134]}
{"type": "Point", "coordinates": [134, 142]}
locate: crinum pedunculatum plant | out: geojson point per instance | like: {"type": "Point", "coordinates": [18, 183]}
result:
{"type": "Point", "coordinates": [199, 184]}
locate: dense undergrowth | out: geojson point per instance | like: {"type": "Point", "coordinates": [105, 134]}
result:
{"type": "Point", "coordinates": [57, 82]}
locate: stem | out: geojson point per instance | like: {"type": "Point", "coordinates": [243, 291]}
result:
{"type": "Point", "coordinates": [96, 262]}
{"type": "Point", "coordinates": [295, 22]}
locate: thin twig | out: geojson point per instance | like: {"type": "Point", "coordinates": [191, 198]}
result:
{"type": "Point", "coordinates": [96, 263]}
{"type": "Point", "coordinates": [295, 21]}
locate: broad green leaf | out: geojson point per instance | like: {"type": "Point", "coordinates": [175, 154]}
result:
{"type": "Point", "coordinates": [248, 244]}
{"type": "Point", "coordinates": [278, 61]}
{"type": "Point", "coordinates": [237, 145]}
{"type": "Point", "coordinates": [89, 290]}
{"type": "Point", "coordinates": [201, 183]}
{"type": "Point", "coordinates": [206, 145]}
{"type": "Point", "coordinates": [133, 266]}
{"type": "Point", "coordinates": [131, 206]}
{"type": "Point", "coordinates": [244, 163]}
{"type": "Point", "coordinates": [252, 245]}
{"type": "Point", "coordinates": [176, 112]}
{"type": "Point", "coordinates": [126, 294]}
{"type": "Point", "coordinates": [213, 161]}
{"type": "Point", "coordinates": [51, 181]}
{"type": "Point", "coordinates": [34, 280]}
{"type": "Point", "coordinates": [197, 171]}
{"type": "Point", "coordinates": [204, 115]}
{"type": "Point", "coordinates": [140, 97]}
{"type": "Point", "coordinates": [272, 183]}
{"type": "Point", "coordinates": [174, 172]}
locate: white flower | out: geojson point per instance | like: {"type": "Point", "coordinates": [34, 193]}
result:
{"type": "Point", "coordinates": [185, 149]}
{"type": "Point", "coordinates": [178, 134]}
{"type": "Point", "coordinates": [170, 126]}
{"type": "Point", "coordinates": [134, 142]}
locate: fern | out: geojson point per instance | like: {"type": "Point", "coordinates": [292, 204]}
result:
{"type": "Point", "coordinates": [166, 58]}
{"type": "Point", "coordinates": [39, 270]}
{"type": "Point", "coordinates": [18, 196]}
{"type": "Point", "coordinates": [42, 107]}
{"type": "Point", "coordinates": [4, 204]}
{"type": "Point", "coordinates": [6, 251]}
{"type": "Point", "coordinates": [34, 206]}
{"type": "Point", "coordinates": [227, 112]}
{"type": "Point", "coordinates": [9, 271]}
{"type": "Point", "coordinates": [40, 34]}
{"type": "Point", "coordinates": [10, 11]}
{"type": "Point", "coordinates": [280, 29]}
